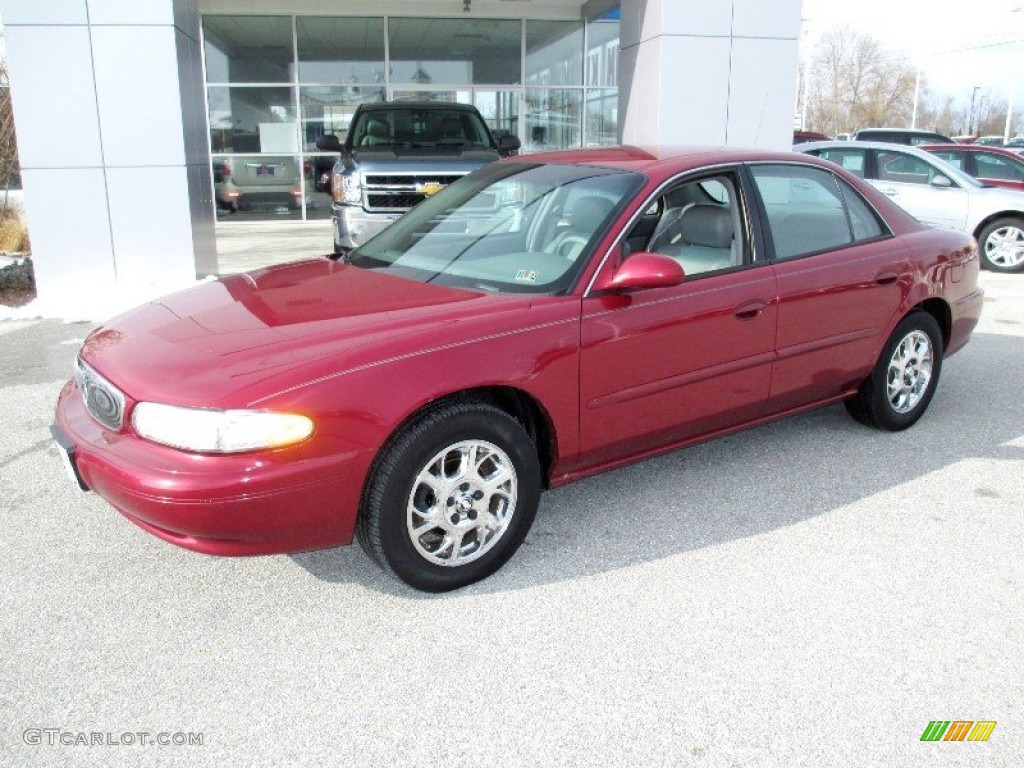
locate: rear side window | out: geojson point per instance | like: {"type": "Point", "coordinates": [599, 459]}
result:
{"type": "Point", "coordinates": [862, 218]}
{"type": "Point", "coordinates": [993, 166]}
{"type": "Point", "coordinates": [809, 210]}
{"type": "Point", "coordinates": [904, 169]}
{"type": "Point", "coordinates": [956, 159]}
{"type": "Point", "coordinates": [851, 160]}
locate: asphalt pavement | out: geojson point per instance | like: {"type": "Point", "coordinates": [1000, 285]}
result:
{"type": "Point", "coordinates": [808, 593]}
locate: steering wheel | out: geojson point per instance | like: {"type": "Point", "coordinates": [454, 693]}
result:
{"type": "Point", "coordinates": [569, 247]}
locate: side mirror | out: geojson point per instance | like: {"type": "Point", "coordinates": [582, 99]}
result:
{"type": "Point", "coordinates": [941, 181]}
{"type": "Point", "coordinates": [328, 143]}
{"type": "Point", "coordinates": [508, 145]}
{"type": "Point", "coordinates": [641, 271]}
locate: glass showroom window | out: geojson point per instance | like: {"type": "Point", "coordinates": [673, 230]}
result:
{"type": "Point", "coordinates": [432, 52]}
{"type": "Point", "coordinates": [278, 84]}
{"type": "Point", "coordinates": [248, 49]}
{"type": "Point", "coordinates": [341, 65]}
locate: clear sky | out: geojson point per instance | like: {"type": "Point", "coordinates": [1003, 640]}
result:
{"type": "Point", "coordinates": [958, 44]}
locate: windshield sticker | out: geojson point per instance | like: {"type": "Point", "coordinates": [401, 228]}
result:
{"type": "Point", "coordinates": [526, 276]}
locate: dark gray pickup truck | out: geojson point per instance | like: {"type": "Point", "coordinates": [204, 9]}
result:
{"type": "Point", "coordinates": [398, 153]}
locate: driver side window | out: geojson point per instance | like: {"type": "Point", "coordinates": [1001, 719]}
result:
{"type": "Point", "coordinates": [700, 225]}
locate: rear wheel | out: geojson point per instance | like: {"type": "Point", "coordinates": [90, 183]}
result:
{"type": "Point", "coordinates": [451, 497]}
{"type": "Point", "coordinates": [900, 387]}
{"type": "Point", "coordinates": [1002, 245]}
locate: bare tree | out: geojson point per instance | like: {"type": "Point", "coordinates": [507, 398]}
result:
{"type": "Point", "coordinates": [856, 82]}
{"type": "Point", "coordinates": [9, 168]}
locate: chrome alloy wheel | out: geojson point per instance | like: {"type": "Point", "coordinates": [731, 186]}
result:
{"type": "Point", "coordinates": [910, 370]}
{"type": "Point", "coordinates": [1005, 247]}
{"type": "Point", "coordinates": [462, 502]}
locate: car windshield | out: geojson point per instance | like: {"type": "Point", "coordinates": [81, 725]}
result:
{"type": "Point", "coordinates": [506, 228]}
{"type": "Point", "coordinates": [420, 127]}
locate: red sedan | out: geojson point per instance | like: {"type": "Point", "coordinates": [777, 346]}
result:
{"type": "Point", "coordinates": [544, 319]}
{"type": "Point", "coordinates": [995, 166]}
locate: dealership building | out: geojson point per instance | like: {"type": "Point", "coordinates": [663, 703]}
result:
{"type": "Point", "coordinates": [129, 112]}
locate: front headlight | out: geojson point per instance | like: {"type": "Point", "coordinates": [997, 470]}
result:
{"type": "Point", "coordinates": [213, 431]}
{"type": "Point", "coordinates": [347, 188]}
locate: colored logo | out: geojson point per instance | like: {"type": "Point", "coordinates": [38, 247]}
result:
{"type": "Point", "coordinates": [429, 188]}
{"type": "Point", "coordinates": [958, 730]}
{"type": "Point", "coordinates": [526, 276]}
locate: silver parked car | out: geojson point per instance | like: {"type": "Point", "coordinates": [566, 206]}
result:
{"type": "Point", "coordinates": [935, 192]}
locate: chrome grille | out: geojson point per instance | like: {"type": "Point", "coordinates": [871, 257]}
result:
{"type": "Point", "coordinates": [103, 400]}
{"type": "Point", "coordinates": [400, 191]}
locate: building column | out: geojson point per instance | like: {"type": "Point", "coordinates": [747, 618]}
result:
{"type": "Point", "coordinates": [108, 99]}
{"type": "Point", "coordinates": [708, 72]}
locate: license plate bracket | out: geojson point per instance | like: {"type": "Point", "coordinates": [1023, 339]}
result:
{"type": "Point", "coordinates": [66, 450]}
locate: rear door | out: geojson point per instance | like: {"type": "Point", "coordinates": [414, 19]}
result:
{"type": "Point", "coordinates": [908, 180]}
{"type": "Point", "coordinates": [837, 269]}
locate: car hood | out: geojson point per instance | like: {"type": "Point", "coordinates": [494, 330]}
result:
{"type": "Point", "coordinates": [416, 159]}
{"type": "Point", "coordinates": [229, 342]}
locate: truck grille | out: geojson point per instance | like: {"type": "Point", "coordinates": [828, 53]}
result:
{"type": "Point", "coordinates": [400, 191]}
{"type": "Point", "coordinates": [103, 400]}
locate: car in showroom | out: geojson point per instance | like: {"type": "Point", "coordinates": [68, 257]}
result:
{"type": "Point", "coordinates": [992, 166]}
{"type": "Point", "coordinates": [396, 154]}
{"type": "Point", "coordinates": [544, 319]}
{"type": "Point", "coordinates": [938, 193]}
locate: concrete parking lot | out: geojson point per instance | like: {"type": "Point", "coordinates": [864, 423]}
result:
{"type": "Point", "coordinates": [808, 593]}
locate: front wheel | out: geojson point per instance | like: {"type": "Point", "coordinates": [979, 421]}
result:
{"type": "Point", "coordinates": [1002, 245]}
{"type": "Point", "coordinates": [902, 383]}
{"type": "Point", "coordinates": [451, 497]}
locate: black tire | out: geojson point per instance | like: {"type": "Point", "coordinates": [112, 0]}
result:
{"type": "Point", "coordinates": [1010, 261]}
{"type": "Point", "coordinates": [397, 493]}
{"type": "Point", "coordinates": [873, 405]}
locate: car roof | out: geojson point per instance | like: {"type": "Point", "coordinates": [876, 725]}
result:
{"type": "Point", "coordinates": [973, 148]}
{"type": "Point", "coordinates": [670, 159]}
{"type": "Point", "coordinates": [381, 105]}
{"type": "Point", "coordinates": [915, 131]}
{"type": "Point", "coordinates": [885, 145]}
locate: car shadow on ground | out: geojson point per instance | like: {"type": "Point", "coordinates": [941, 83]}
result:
{"type": "Point", "coordinates": [748, 483]}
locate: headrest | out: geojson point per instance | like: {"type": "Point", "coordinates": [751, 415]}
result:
{"type": "Point", "coordinates": [451, 128]}
{"type": "Point", "coordinates": [378, 129]}
{"type": "Point", "coordinates": [708, 226]}
{"type": "Point", "coordinates": [588, 212]}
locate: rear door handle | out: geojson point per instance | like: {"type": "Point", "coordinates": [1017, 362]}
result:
{"type": "Point", "coordinates": [890, 192]}
{"type": "Point", "coordinates": [886, 278]}
{"type": "Point", "coordinates": [750, 310]}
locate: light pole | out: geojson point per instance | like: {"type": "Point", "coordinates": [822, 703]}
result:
{"type": "Point", "coordinates": [1013, 81]}
{"type": "Point", "coordinates": [970, 116]}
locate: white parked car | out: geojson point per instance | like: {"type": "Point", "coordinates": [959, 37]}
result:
{"type": "Point", "coordinates": [935, 192]}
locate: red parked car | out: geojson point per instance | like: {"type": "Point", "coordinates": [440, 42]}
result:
{"type": "Point", "coordinates": [990, 165]}
{"type": "Point", "coordinates": [543, 319]}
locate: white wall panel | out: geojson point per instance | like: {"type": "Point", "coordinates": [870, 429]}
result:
{"type": "Point", "coordinates": [131, 11]}
{"type": "Point", "coordinates": [70, 227]}
{"type": "Point", "coordinates": [54, 96]}
{"type": "Point", "coordinates": [151, 219]}
{"type": "Point", "coordinates": [762, 94]}
{"type": "Point", "coordinates": [139, 100]}
{"type": "Point", "coordinates": [43, 12]}
{"type": "Point", "coordinates": [757, 18]}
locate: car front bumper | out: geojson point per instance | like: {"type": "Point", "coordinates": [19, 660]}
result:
{"type": "Point", "coordinates": [353, 226]}
{"type": "Point", "coordinates": [230, 504]}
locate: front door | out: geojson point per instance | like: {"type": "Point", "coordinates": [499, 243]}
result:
{"type": "Point", "coordinates": [661, 366]}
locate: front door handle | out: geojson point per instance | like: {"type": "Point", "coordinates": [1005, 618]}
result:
{"type": "Point", "coordinates": [750, 310]}
{"type": "Point", "coordinates": [890, 192]}
{"type": "Point", "coordinates": [886, 278]}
